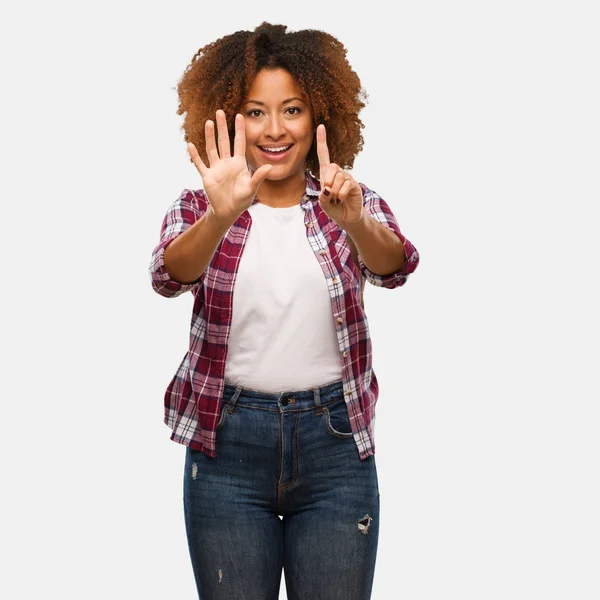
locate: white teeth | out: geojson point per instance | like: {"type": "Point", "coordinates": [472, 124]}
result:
{"type": "Point", "coordinates": [281, 149]}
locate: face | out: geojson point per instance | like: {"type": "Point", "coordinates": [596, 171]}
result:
{"type": "Point", "coordinates": [276, 116]}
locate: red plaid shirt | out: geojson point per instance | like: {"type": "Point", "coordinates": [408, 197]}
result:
{"type": "Point", "coordinates": [193, 396]}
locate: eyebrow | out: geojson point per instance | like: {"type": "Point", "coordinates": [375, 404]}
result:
{"type": "Point", "coordinates": [284, 102]}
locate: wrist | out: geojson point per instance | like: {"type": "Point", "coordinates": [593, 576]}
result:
{"type": "Point", "coordinates": [218, 222]}
{"type": "Point", "coordinates": [356, 226]}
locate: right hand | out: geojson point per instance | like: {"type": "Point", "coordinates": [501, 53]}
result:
{"type": "Point", "coordinates": [227, 182]}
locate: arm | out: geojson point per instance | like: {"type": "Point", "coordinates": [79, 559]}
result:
{"type": "Point", "coordinates": [386, 257]}
{"type": "Point", "coordinates": [189, 238]}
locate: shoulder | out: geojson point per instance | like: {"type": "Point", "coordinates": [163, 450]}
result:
{"type": "Point", "coordinates": [200, 198]}
{"type": "Point", "coordinates": [378, 207]}
{"type": "Point", "coordinates": [195, 201]}
{"type": "Point", "coordinates": [369, 195]}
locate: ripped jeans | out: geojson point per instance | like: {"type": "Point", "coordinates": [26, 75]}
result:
{"type": "Point", "coordinates": [286, 491]}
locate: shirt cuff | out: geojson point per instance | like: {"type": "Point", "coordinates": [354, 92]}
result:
{"type": "Point", "coordinates": [399, 277]}
{"type": "Point", "coordinates": [161, 280]}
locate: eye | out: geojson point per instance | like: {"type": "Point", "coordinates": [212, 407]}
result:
{"type": "Point", "coordinates": [298, 110]}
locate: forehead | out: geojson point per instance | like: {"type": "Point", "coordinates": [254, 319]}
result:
{"type": "Point", "coordinates": [274, 86]}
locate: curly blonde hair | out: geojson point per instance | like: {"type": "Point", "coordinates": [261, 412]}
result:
{"type": "Point", "coordinates": [220, 75]}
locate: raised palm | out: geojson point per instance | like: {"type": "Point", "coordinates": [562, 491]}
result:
{"type": "Point", "coordinates": [228, 184]}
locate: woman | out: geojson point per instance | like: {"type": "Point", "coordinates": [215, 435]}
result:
{"type": "Point", "coordinates": [275, 396]}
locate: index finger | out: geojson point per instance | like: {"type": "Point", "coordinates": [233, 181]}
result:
{"type": "Point", "coordinates": [239, 141]}
{"type": "Point", "coordinates": [322, 150]}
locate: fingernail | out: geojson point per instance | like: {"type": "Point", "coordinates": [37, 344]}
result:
{"type": "Point", "coordinates": [326, 192]}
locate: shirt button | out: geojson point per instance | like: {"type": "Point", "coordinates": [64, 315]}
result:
{"type": "Point", "coordinates": [348, 393]}
{"type": "Point", "coordinates": [340, 320]}
{"type": "Point", "coordinates": [322, 252]}
{"type": "Point", "coordinates": [309, 224]}
{"type": "Point", "coordinates": [345, 353]}
{"type": "Point", "coordinates": [334, 279]}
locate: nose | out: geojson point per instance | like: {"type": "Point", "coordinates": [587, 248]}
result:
{"type": "Point", "coordinates": [274, 128]}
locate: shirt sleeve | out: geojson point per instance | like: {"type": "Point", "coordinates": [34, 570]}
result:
{"type": "Point", "coordinates": [378, 208]}
{"type": "Point", "coordinates": [181, 215]}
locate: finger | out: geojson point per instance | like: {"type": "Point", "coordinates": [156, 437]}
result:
{"type": "Point", "coordinates": [329, 175]}
{"type": "Point", "coordinates": [239, 141]}
{"type": "Point", "coordinates": [337, 182]}
{"type": "Point", "coordinates": [339, 179]}
{"type": "Point", "coordinates": [345, 190]}
{"type": "Point", "coordinates": [211, 146]}
{"type": "Point", "coordinates": [259, 176]}
{"type": "Point", "coordinates": [196, 159]}
{"type": "Point", "coordinates": [224, 147]}
{"type": "Point", "coordinates": [322, 150]}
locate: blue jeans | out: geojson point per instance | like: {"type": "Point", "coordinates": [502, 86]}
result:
{"type": "Point", "coordinates": [291, 455]}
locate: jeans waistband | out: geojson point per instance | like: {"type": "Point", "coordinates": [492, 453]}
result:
{"type": "Point", "coordinates": [291, 400]}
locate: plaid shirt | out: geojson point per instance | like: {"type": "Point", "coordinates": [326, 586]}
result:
{"type": "Point", "coordinates": [193, 397]}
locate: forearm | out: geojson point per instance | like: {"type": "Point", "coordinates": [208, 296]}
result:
{"type": "Point", "coordinates": [380, 248]}
{"type": "Point", "coordinates": [190, 253]}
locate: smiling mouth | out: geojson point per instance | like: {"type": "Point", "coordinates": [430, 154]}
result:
{"type": "Point", "coordinates": [279, 155]}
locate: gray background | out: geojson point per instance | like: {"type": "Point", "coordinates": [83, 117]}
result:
{"type": "Point", "coordinates": [482, 136]}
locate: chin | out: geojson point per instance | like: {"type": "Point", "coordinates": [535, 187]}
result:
{"type": "Point", "coordinates": [277, 172]}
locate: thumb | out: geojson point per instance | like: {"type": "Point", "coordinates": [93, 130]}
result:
{"type": "Point", "coordinates": [259, 176]}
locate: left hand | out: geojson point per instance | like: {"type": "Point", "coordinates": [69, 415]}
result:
{"type": "Point", "coordinates": [344, 205]}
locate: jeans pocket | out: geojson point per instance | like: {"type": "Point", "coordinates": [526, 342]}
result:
{"type": "Point", "coordinates": [337, 421]}
{"type": "Point", "coordinates": [223, 415]}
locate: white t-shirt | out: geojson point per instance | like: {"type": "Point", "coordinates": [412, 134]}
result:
{"type": "Point", "coordinates": [283, 336]}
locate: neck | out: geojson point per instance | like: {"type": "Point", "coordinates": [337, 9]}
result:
{"type": "Point", "coordinates": [282, 193]}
